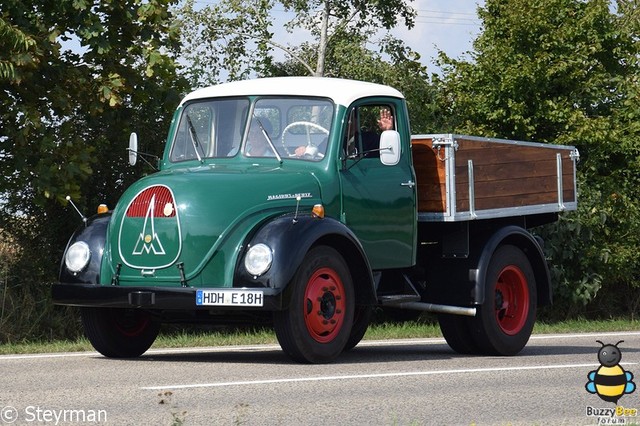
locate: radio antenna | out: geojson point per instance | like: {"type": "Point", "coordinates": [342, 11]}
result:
{"type": "Point", "coordinates": [84, 219]}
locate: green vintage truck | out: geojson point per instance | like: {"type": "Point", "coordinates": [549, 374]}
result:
{"type": "Point", "coordinates": [306, 203]}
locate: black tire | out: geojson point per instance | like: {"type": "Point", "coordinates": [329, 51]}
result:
{"type": "Point", "coordinates": [317, 324]}
{"type": "Point", "coordinates": [455, 329]}
{"type": "Point", "coordinates": [361, 320]}
{"type": "Point", "coordinates": [119, 333]}
{"type": "Point", "coordinates": [504, 322]}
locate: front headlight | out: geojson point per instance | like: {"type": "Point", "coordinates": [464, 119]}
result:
{"type": "Point", "coordinates": [77, 256]}
{"type": "Point", "coordinates": [258, 259]}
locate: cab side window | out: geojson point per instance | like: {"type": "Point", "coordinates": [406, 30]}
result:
{"type": "Point", "coordinates": [365, 124]}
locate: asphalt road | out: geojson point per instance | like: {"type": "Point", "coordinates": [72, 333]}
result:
{"type": "Point", "coordinates": [402, 382]}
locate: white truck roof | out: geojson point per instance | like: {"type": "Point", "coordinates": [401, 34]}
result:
{"type": "Point", "coordinates": [341, 91]}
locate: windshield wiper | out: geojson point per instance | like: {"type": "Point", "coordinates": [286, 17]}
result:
{"type": "Point", "coordinates": [194, 139]}
{"type": "Point", "coordinates": [266, 136]}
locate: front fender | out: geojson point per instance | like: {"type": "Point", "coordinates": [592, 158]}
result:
{"type": "Point", "coordinates": [94, 234]}
{"type": "Point", "coordinates": [291, 238]}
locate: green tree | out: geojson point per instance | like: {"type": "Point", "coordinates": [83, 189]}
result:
{"type": "Point", "coordinates": [81, 75]}
{"type": "Point", "coordinates": [236, 37]}
{"type": "Point", "coordinates": [20, 52]}
{"type": "Point", "coordinates": [565, 71]}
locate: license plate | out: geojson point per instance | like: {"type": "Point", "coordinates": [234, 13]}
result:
{"type": "Point", "coordinates": [229, 297]}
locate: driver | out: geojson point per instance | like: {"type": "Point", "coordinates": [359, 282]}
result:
{"type": "Point", "coordinates": [311, 150]}
{"type": "Point", "coordinates": [370, 139]}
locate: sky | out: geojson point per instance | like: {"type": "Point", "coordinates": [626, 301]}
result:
{"type": "Point", "coordinates": [446, 25]}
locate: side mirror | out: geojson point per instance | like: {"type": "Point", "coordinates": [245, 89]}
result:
{"type": "Point", "coordinates": [389, 147]}
{"type": "Point", "coordinates": [133, 149]}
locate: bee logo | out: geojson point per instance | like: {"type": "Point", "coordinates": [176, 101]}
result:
{"type": "Point", "coordinates": [610, 381]}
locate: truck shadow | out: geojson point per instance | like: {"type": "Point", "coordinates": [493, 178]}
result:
{"type": "Point", "coordinates": [272, 354]}
{"type": "Point", "coordinates": [366, 352]}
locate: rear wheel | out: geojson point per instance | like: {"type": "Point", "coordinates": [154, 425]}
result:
{"type": "Point", "coordinates": [317, 324]}
{"type": "Point", "coordinates": [505, 320]}
{"type": "Point", "coordinates": [119, 333]}
{"type": "Point", "coordinates": [455, 330]}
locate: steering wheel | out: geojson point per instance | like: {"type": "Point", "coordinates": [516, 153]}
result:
{"type": "Point", "coordinates": [308, 125]}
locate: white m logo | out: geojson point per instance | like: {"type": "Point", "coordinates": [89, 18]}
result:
{"type": "Point", "coordinates": [149, 241]}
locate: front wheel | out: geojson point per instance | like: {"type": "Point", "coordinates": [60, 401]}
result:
{"type": "Point", "coordinates": [361, 319]}
{"type": "Point", "coordinates": [119, 333]}
{"type": "Point", "coordinates": [316, 326]}
{"type": "Point", "coordinates": [504, 322]}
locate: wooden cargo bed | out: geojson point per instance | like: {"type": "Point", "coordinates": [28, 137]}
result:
{"type": "Point", "coordinates": [466, 177]}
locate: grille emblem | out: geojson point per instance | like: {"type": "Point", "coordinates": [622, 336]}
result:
{"type": "Point", "coordinates": [150, 237]}
{"type": "Point", "coordinates": [149, 241]}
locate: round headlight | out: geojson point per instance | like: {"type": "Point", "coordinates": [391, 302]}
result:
{"type": "Point", "coordinates": [77, 256]}
{"type": "Point", "coordinates": [258, 259]}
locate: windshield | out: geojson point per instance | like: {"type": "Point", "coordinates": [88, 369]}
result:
{"type": "Point", "coordinates": [279, 127]}
{"type": "Point", "coordinates": [210, 129]}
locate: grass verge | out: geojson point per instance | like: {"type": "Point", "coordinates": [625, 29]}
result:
{"type": "Point", "coordinates": [382, 331]}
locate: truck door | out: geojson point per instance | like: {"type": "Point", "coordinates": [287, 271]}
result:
{"type": "Point", "coordinates": [378, 201]}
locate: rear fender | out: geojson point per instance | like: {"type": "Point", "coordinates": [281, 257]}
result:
{"type": "Point", "coordinates": [521, 238]}
{"type": "Point", "coordinates": [290, 238]}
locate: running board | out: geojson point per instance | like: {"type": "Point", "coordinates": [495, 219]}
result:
{"type": "Point", "coordinates": [439, 309]}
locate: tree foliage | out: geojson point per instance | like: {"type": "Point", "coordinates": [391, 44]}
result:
{"type": "Point", "coordinates": [235, 38]}
{"type": "Point", "coordinates": [79, 75]}
{"type": "Point", "coordinates": [565, 71]}
{"type": "Point", "coordinates": [20, 53]}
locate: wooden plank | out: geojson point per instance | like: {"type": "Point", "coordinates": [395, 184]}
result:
{"type": "Point", "coordinates": [430, 177]}
{"type": "Point", "coordinates": [545, 168]}
{"type": "Point", "coordinates": [499, 200]}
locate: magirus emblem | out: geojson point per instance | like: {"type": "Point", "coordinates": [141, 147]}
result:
{"type": "Point", "coordinates": [149, 235]}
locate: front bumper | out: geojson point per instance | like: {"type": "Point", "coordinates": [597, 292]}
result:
{"type": "Point", "coordinates": [152, 298]}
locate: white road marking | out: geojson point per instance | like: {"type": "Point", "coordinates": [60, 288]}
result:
{"type": "Point", "coordinates": [371, 376]}
{"type": "Point", "coordinates": [591, 334]}
{"type": "Point", "coordinates": [56, 355]}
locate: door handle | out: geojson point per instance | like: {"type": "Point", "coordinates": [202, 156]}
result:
{"type": "Point", "coordinates": [410, 184]}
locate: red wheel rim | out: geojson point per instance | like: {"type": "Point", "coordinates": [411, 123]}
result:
{"type": "Point", "coordinates": [324, 302]}
{"type": "Point", "coordinates": [511, 300]}
{"type": "Point", "coordinates": [131, 324]}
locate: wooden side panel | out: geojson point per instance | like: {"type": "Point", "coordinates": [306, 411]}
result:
{"type": "Point", "coordinates": [505, 175]}
{"type": "Point", "coordinates": [510, 175]}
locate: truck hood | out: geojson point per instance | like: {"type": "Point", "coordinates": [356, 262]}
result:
{"type": "Point", "coordinates": [169, 225]}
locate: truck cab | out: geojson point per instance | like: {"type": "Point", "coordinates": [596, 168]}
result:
{"type": "Point", "coordinates": [292, 201]}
